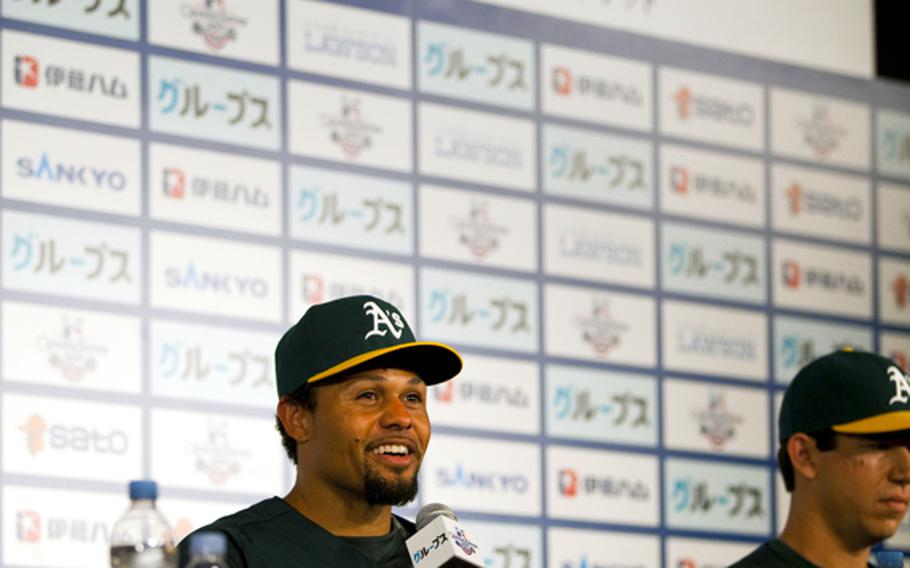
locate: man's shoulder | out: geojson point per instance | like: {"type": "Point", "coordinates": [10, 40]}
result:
{"type": "Point", "coordinates": [761, 556]}
{"type": "Point", "coordinates": [238, 528]}
{"type": "Point", "coordinates": [262, 512]}
{"type": "Point", "coordinates": [773, 554]}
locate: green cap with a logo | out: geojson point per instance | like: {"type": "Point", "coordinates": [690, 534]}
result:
{"type": "Point", "coordinates": [848, 391]}
{"type": "Point", "coordinates": [354, 333]}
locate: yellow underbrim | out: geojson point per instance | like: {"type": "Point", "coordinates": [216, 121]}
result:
{"type": "Point", "coordinates": [889, 422]}
{"type": "Point", "coordinates": [370, 355]}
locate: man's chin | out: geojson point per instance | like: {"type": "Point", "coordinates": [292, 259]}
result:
{"type": "Point", "coordinates": [389, 489]}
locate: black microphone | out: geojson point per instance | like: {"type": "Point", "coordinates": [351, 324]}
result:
{"type": "Point", "coordinates": [440, 542]}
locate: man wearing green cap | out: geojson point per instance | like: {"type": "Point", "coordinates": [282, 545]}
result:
{"type": "Point", "coordinates": [352, 385]}
{"type": "Point", "coordinates": [845, 458]}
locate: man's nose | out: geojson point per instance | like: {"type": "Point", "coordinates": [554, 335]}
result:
{"type": "Point", "coordinates": [396, 414]}
{"type": "Point", "coordinates": [900, 473]}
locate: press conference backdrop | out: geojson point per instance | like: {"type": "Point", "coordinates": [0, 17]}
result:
{"type": "Point", "coordinates": [636, 220]}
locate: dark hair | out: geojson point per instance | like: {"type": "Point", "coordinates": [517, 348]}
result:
{"type": "Point", "coordinates": [305, 397]}
{"type": "Point", "coordinates": [824, 441]}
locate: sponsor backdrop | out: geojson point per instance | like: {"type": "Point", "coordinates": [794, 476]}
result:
{"type": "Point", "coordinates": [635, 229]}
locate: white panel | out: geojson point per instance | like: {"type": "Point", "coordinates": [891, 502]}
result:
{"type": "Point", "coordinates": [478, 228]}
{"type": "Point", "coordinates": [70, 79]}
{"type": "Point", "coordinates": [71, 168]}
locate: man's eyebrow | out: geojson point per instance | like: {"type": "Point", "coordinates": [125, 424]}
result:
{"type": "Point", "coordinates": [415, 379]}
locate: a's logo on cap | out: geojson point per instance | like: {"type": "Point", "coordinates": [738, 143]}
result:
{"type": "Point", "coordinates": [901, 387]}
{"type": "Point", "coordinates": [381, 319]}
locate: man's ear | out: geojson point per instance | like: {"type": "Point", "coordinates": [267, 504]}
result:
{"type": "Point", "coordinates": [803, 454]}
{"type": "Point", "coordinates": [296, 419]}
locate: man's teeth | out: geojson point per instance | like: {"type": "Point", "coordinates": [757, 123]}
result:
{"type": "Point", "coordinates": [395, 449]}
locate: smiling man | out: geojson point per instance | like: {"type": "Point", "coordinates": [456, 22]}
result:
{"type": "Point", "coordinates": [845, 457]}
{"type": "Point", "coordinates": [352, 386]}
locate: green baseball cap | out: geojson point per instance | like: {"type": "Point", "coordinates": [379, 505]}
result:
{"type": "Point", "coordinates": [848, 391]}
{"type": "Point", "coordinates": [356, 333]}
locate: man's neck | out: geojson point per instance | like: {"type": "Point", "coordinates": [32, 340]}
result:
{"type": "Point", "coordinates": [814, 540]}
{"type": "Point", "coordinates": [341, 515]}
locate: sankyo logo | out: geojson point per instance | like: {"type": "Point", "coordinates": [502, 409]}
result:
{"type": "Point", "coordinates": [43, 168]}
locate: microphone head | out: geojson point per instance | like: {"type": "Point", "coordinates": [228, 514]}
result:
{"type": "Point", "coordinates": [430, 512]}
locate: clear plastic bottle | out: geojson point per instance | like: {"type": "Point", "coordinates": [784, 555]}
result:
{"type": "Point", "coordinates": [208, 550]}
{"type": "Point", "coordinates": [142, 538]}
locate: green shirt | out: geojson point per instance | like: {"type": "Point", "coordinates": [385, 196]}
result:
{"type": "Point", "coordinates": [272, 534]}
{"type": "Point", "coordinates": [774, 554]}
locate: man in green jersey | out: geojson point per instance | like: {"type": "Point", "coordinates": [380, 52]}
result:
{"type": "Point", "coordinates": [352, 387]}
{"type": "Point", "coordinates": [845, 458]}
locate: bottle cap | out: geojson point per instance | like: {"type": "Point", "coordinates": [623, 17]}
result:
{"type": "Point", "coordinates": [143, 489]}
{"type": "Point", "coordinates": [209, 542]}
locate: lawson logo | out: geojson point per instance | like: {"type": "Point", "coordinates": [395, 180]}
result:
{"type": "Point", "coordinates": [46, 169]}
{"type": "Point", "coordinates": [467, 479]}
{"type": "Point", "coordinates": [192, 277]}
{"type": "Point", "coordinates": [713, 344]}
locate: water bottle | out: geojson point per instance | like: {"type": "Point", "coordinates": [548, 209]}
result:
{"type": "Point", "coordinates": [208, 550]}
{"type": "Point", "coordinates": [142, 538]}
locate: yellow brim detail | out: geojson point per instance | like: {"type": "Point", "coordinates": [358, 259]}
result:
{"type": "Point", "coordinates": [369, 355]}
{"type": "Point", "coordinates": [888, 422]}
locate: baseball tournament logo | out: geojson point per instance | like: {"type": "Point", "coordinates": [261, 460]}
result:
{"type": "Point", "coordinates": [479, 233]}
{"type": "Point", "coordinates": [213, 22]}
{"type": "Point", "coordinates": [717, 424]}
{"type": "Point", "coordinates": [820, 133]}
{"type": "Point", "coordinates": [350, 130]}
{"type": "Point", "coordinates": [600, 330]}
